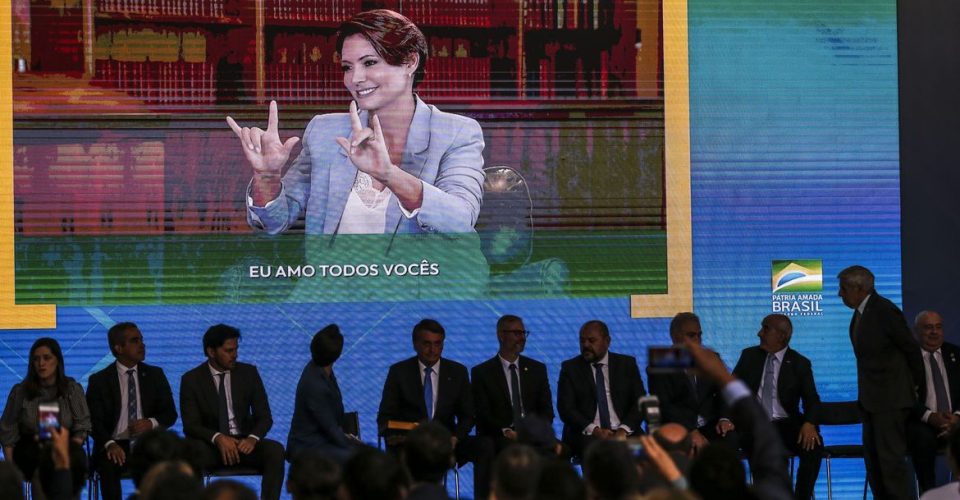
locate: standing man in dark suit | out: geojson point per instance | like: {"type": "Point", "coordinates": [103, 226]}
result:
{"type": "Point", "coordinates": [889, 371]}
{"type": "Point", "coordinates": [426, 388]}
{"type": "Point", "coordinates": [781, 377]}
{"type": "Point", "coordinates": [126, 399]}
{"type": "Point", "coordinates": [687, 398]}
{"type": "Point", "coordinates": [939, 403]}
{"type": "Point", "coordinates": [225, 406]}
{"type": "Point", "coordinates": [507, 388]}
{"type": "Point", "coordinates": [598, 391]}
{"type": "Point", "coordinates": [318, 408]}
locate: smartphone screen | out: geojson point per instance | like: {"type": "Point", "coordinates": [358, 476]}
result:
{"type": "Point", "coordinates": [49, 416]}
{"type": "Point", "coordinates": [667, 359]}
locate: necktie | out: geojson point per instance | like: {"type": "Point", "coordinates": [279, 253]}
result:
{"type": "Point", "coordinates": [224, 422]}
{"type": "Point", "coordinates": [428, 391]}
{"type": "Point", "coordinates": [131, 399]}
{"type": "Point", "coordinates": [602, 408]}
{"type": "Point", "coordinates": [939, 388]}
{"type": "Point", "coordinates": [515, 396]}
{"type": "Point", "coordinates": [766, 394]}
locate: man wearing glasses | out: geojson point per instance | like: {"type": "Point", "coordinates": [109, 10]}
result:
{"type": "Point", "coordinates": [507, 388]}
{"type": "Point", "coordinates": [598, 391]}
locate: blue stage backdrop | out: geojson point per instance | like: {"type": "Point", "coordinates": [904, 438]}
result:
{"type": "Point", "coordinates": [792, 176]}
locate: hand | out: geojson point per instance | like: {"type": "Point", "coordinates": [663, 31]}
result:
{"type": "Point", "coordinates": [709, 363]}
{"type": "Point", "coordinates": [263, 149]}
{"type": "Point", "coordinates": [698, 441]}
{"type": "Point", "coordinates": [366, 147]}
{"type": "Point", "coordinates": [246, 445]}
{"type": "Point", "coordinates": [228, 450]}
{"type": "Point", "coordinates": [619, 435]}
{"type": "Point", "coordinates": [510, 434]}
{"type": "Point", "coordinates": [809, 437]}
{"type": "Point", "coordinates": [663, 462]}
{"type": "Point", "coordinates": [724, 426]}
{"type": "Point", "coordinates": [939, 421]}
{"type": "Point", "coordinates": [601, 433]}
{"type": "Point", "coordinates": [60, 441]}
{"type": "Point", "coordinates": [115, 454]}
{"type": "Point", "coordinates": [139, 427]}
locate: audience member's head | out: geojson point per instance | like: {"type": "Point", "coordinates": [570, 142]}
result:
{"type": "Point", "coordinates": [371, 474]}
{"type": "Point", "coordinates": [674, 438]}
{"type": "Point", "coordinates": [559, 481]}
{"type": "Point", "coordinates": [171, 480]}
{"type": "Point", "coordinates": [516, 473]}
{"type": "Point", "coordinates": [228, 489]}
{"type": "Point", "coordinates": [326, 346]}
{"type": "Point", "coordinates": [428, 453]}
{"type": "Point", "coordinates": [313, 476]}
{"type": "Point", "coordinates": [717, 474]}
{"type": "Point", "coordinates": [953, 451]}
{"type": "Point", "coordinates": [11, 481]}
{"type": "Point", "coordinates": [608, 468]}
{"type": "Point", "coordinates": [154, 447]}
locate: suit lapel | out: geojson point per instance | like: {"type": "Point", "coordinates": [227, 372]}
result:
{"type": "Point", "coordinates": [209, 389]}
{"type": "Point", "coordinates": [115, 399]}
{"type": "Point", "coordinates": [501, 379]}
{"type": "Point", "coordinates": [414, 374]}
{"type": "Point", "coordinates": [235, 393]}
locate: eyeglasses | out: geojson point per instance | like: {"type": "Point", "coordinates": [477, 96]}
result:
{"type": "Point", "coordinates": [518, 333]}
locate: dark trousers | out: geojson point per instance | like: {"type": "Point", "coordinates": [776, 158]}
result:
{"type": "Point", "coordinates": [884, 453]}
{"type": "Point", "coordinates": [924, 445]}
{"type": "Point", "coordinates": [809, 467]}
{"type": "Point", "coordinates": [110, 473]}
{"type": "Point", "coordinates": [267, 457]}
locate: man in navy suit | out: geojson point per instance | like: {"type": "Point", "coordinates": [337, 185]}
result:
{"type": "Point", "coordinates": [938, 410]}
{"type": "Point", "coordinates": [598, 391]}
{"type": "Point", "coordinates": [430, 388]}
{"type": "Point", "coordinates": [889, 373]}
{"type": "Point", "coordinates": [318, 408]}
{"type": "Point", "coordinates": [225, 407]}
{"type": "Point", "coordinates": [689, 399]}
{"type": "Point", "coordinates": [126, 399]}
{"type": "Point", "coordinates": [780, 378]}
{"type": "Point", "coordinates": [507, 388]}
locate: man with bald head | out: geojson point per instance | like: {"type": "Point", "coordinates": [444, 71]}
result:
{"type": "Point", "coordinates": [598, 391]}
{"type": "Point", "coordinates": [939, 405]}
{"type": "Point", "coordinates": [781, 378]}
{"type": "Point", "coordinates": [889, 373]}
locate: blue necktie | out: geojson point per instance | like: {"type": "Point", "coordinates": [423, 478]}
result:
{"type": "Point", "coordinates": [428, 391]}
{"type": "Point", "coordinates": [602, 398]}
{"type": "Point", "coordinates": [131, 399]}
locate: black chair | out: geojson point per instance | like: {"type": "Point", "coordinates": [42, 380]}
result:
{"type": "Point", "coordinates": [841, 413]}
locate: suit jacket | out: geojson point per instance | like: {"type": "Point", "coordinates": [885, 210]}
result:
{"type": "Point", "coordinates": [199, 402]}
{"type": "Point", "coordinates": [889, 366]}
{"type": "Point", "coordinates": [443, 150]}
{"type": "Point", "coordinates": [770, 480]}
{"type": "Point", "coordinates": [577, 393]}
{"type": "Point", "coordinates": [681, 402]}
{"type": "Point", "coordinates": [491, 394]}
{"type": "Point", "coordinates": [318, 416]}
{"type": "Point", "coordinates": [795, 382]}
{"type": "Point", "coordinates": [403, 397]}
{"type": "Point", "coordinates": [951, 363]}
{"type": "Point", "coordinates": [104, 400]}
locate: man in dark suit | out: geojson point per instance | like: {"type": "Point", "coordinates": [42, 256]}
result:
{"type": "Point", "coordinates": [126, 399]}
{"type": "Point", "coordinates": [317, 422]}
{"type": "Point", "coordinates": [426, 388]}
{"type": "Point", "coordinates": [781, 377]}
{"type": "Point", "coordinates": [687, 398]}
{"type": "Point", "coordinates": [225, 406]}
{"type": "Point", "coordinates": [598, 391]}
{"type": "Point", "coordinates": [938, 411]}
{"type": "Point", "coordinates": [889, 371]}
{"type": "Point", "coordinates": [506, 388]}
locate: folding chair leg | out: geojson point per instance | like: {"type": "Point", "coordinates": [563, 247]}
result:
{"type": "Point", "coordinates": [456, 481]}
{"type": "Point", "coordinates": [829, 481]}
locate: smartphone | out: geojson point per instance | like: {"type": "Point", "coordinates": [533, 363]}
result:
{"type": "Point", "coordinates": [669, 359]}
{"type": "Point", "coordinates": [49, 416]}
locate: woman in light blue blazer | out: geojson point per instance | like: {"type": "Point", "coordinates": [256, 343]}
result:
{"type": "Point", "coordinates": [393, 164]}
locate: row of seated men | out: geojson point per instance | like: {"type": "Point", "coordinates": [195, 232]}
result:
{"type": "Point", "coordinates": [225, 405]}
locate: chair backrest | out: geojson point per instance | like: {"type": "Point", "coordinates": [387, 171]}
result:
{"type": "Point", "coordinates": [351, 423]}
{"type": "Point", "coordinates": [839, 413]}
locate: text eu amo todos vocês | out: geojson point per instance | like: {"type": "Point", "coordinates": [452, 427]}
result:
{"type": "Point", "coordinates": [422, 268]}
